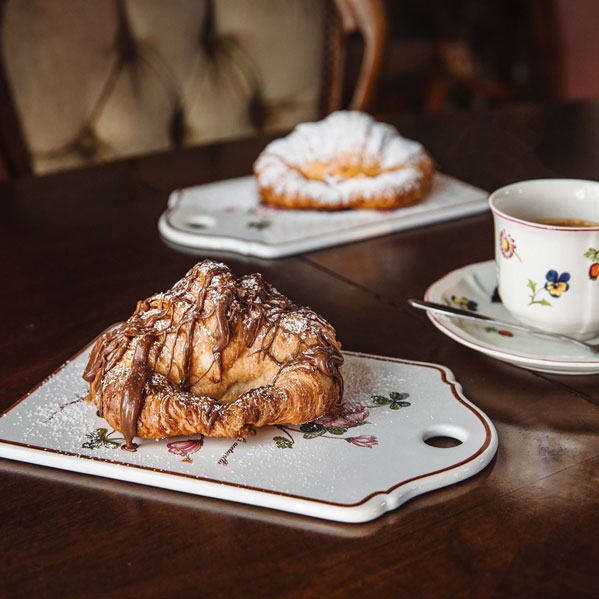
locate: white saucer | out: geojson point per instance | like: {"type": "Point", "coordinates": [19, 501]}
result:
{"type": "Point", "coordinates": [476, 283]}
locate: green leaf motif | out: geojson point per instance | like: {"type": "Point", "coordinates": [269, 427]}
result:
{"type": "Point", "coordinates": [95, 438]}
{"type": "Point", "coordinates": [100, 437]}
{"type": "Point", "coordinates": [592, 254]}
{"type": "Point", "coordinates": [283, 443]}
{"type": "Point", "coordinates": [380, 399]}
{"type": "Point", "coordinates": [395, 401]}
{"type": "Point", "coordinates": [337, 431]}
{"type": "Point", "coordinates": [261, 224]}
{"type": "Point", "coordinates": [533, 296]}
{"type": "Point", "coordinates": [314, 434]}
{"type": "Point", "coordinates": [311, 427]}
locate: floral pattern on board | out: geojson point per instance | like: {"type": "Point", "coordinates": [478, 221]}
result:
{"type": "Point", "coordinates": [507, 245]}
{"type": "Point", "coordinates": [342, 417]}
{"type": "Point", "coordinates": [363, 441]}
{"type": "Point", "coordinates": [593, 255]}
{"type": "Point", "coordinates": [395, 400]}
{"type": "Point", "coordinates": [185, 448]}
{"type": "Point", "coordinates": [557, 284]}
{"type": "Point", "coordinates": [339, 419]}
{"type": "Point", "coordinates": [100, 437]}
{"type": "Point", "coordinates": [259, 224]}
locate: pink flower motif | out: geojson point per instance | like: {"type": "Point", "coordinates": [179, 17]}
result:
{"type": "Point", "coordinates": [185, 448]}
{"type": "Point", "coordinates": [260, 212]}
{"type": "Point", "coordinates": [506, 244]}
{"type": "Point", "coordinates": [363, 441]}
{"type": "Point", "coordinates": [344, 416]}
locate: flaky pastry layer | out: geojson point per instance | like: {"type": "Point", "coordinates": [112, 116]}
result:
{"type": "Point", "coordinates": [214, 355]}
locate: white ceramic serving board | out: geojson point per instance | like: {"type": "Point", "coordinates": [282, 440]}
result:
{"type": "Point", "coordinates": [228, 215]}
{"type": "Point", "coordinates": [350, 466]}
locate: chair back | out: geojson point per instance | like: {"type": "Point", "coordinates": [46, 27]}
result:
{"type": "Point", "coordinates": [129, 77]}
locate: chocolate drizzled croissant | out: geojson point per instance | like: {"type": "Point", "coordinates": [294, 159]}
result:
{"type": "Point", "coordinates": [214, 355]}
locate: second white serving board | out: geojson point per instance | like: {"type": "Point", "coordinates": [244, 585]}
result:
{"type": "Point", "coordinates": [228, 215]}
{"type": "Point", "coordinates": [364, 458]}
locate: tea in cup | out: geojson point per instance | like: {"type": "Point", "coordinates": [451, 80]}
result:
{"type": "Point", "coordinates": [547, 254]}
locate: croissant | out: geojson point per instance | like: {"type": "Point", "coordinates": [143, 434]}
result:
{"type": "Point", "coordinates": [214, 355]}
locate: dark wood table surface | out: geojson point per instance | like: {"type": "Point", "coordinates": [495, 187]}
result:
{"type": "Point", "coordinates": [78, 249]}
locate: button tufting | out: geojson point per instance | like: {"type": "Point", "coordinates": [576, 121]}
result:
{"type": "Point", "coordinates": [177, 127]}
{"type": "Point", "coordinates": [209, 41]}
{"type": "Point", "coordinates": [87, 144]}
{"type": "Point", "coordinates": [125, 44]}
{"type": "Point", "coordinates": [142, 77]}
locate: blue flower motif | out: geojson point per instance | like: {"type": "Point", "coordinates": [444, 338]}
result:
{"type": "Point", "coordinates": [557, 284]}
{"type": "Point", "coordinates": [464, 303]}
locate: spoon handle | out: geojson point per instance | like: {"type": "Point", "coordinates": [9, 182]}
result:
{"type": "Point", "coordinates": [451, 311]}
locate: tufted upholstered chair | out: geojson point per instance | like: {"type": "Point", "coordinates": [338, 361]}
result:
{"type": "Point", "coordinates": [84, 82]}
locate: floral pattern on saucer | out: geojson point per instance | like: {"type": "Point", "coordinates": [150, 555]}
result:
{"type": "Point", "coordinates": [478, 282]}
{"type": "Point", "coordinates": [463, 303]}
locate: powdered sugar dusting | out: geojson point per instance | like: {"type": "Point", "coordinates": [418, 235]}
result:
{"type": "Point", "coordinates": [351, 136]}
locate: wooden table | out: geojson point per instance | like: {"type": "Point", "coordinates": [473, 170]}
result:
{"type": "Point", "coordinates": [80, 248]}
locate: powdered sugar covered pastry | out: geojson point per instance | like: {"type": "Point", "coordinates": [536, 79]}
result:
{"type": "Point", "coordinates": [347, 160]}
{"type": "Point", "coordinates": [214, 355]}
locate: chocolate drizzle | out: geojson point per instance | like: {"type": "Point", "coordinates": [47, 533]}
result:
{"type": "Point", "coordinates": [208, 296]}
{"type": "Point", "coordinates": [326, 358]}
{"type": "Point", "coordinates": [133, 388]}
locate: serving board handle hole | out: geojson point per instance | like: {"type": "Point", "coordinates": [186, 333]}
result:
{"type": "Point", "coordinates": [200, 221]}
{"type": "Point", "coordinates": [444, 436]}
{"type": "Point", "coordinates": [442, 442]}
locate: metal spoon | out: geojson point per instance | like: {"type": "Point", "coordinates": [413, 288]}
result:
{"type": "Point", "coordinates": [451, 311]}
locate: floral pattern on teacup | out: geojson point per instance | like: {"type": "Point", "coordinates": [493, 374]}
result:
{"type": "Point", "coordinates": [557, 284]}
{"type": "Point", "coordinates": [507, 245]}
{"type": "Point", "coordinates": [593, 255]}
{"type": "Point", "coordinates": [534, 294]}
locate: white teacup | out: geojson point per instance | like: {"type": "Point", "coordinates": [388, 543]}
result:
{"type": "Point", "coordinates": [547, 254]}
